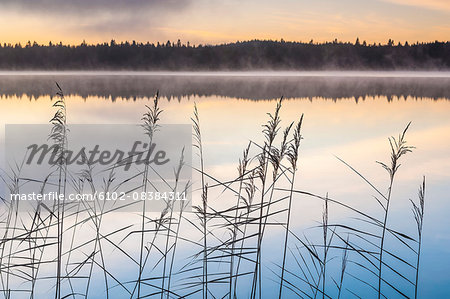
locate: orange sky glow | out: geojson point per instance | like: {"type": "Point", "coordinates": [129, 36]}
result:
{"type": "Point", "coordinates": [212, 21]}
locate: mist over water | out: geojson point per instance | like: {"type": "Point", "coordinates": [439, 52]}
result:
{"type": "Point", "coordinates": [240, 85]}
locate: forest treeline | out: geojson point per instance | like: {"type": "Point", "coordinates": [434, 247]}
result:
{"type": "Point", "coordinates": [248, 55]}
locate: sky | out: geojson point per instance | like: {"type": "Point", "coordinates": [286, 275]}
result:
{"type": "Point", "coordinates": [218, 21]}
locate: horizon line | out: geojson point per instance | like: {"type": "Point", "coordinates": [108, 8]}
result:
{"type": "Point", "coordinates": [187, 43]}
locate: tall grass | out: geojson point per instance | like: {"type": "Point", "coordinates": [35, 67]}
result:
{"type": "Point", "coordinates": [150, 126]}
{"type": "Point", "coordinates": [59, 137]}
{"type": "Point", "coordinates": [217, 249]}
{"type": "Point", "coordinates": [398, 149]}
{"type": "Point", "coordinates": [418, 211]}
{"type": "Point", "coordinates": [293, 158]}
{"type": "Point", "coordinates": [202, 210]}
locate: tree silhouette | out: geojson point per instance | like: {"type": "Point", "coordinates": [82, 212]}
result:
{"type": "Point", "coordinates": [255, 55]}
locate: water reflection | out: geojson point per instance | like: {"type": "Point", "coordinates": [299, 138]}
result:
{"type": "Point", "coordinates": [267, 87]}
{"type": "Point", "coordinates": [355, 132]}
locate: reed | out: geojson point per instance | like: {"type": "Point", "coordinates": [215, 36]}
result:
{"type": "Point", "coordinates": [224, 236]}
{"type": "Point", "coordinates": [59, 137]}
{"type": "Point", "coordinates": [270, 131]}
{"type": "Point", "coordinates": [398, 149]}
{"type": "Point", "coordinates": [418, 211]}
{"type": "Point", "coordinates": [293, 153]}
{"type": "Point", "coordinates": [202, 210]}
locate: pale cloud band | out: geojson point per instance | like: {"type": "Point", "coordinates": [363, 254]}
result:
{"type": "Point", "coordinates": [74, 7]}
{"type": "Point", "coordinates": [214, 21]}
{"type": "Point", "coordinates": [429, 4]}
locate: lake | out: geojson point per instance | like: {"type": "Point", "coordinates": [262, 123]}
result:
{"type": "Point", "coordinates": [347, 115]}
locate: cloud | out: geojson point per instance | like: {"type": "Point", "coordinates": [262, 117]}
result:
{"type": "Point", "coordinates": [84, 6]}
{"type": "Point", "coordinates": [441, 5]}
{"type": "Point", "coordinates": [103, 19]}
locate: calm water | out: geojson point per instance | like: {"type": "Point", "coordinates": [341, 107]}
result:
{"type": "Point", "coordinates": [348, 115]}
